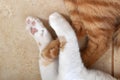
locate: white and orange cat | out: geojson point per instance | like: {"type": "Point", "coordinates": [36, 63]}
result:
{"type": "Point", "coordinates": [69, 65]}
{"type": "Point", "coordinates": [99, 20]}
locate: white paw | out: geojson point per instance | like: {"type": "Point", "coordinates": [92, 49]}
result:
{"type": "Point", "coordinates": [33, 24]}
{"type": "Point", "coordinates": [61, 26]}
{"type": "Point", "coordinates": [36, 28]}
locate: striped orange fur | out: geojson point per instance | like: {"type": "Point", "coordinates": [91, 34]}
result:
{"type": "Point", "coordinates": [99, 20]}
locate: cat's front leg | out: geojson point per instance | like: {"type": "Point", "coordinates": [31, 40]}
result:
{"type": "Point", "coordinates": [70, 63]}
{"type": "Point", "coordinates": [48, 66]}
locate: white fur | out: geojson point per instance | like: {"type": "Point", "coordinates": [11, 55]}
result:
{"type": "Point", "coordinates": [70, 63]}
{"type": "Point", "coordinates": [44, 38]}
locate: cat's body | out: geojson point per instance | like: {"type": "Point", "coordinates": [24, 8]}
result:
{"type": "Point", "coordinates": [99, 20]}
{"type": "Point", "coordinates": [69, 65]}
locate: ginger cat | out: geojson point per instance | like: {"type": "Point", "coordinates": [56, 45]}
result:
{"type": "Point", "coordinates": [99, 20]}
{"type": "Point", "coordinates": [69, 65]}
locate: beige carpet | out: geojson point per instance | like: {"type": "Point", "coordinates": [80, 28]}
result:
{"type": "Point", "coordinates": [18, 50]}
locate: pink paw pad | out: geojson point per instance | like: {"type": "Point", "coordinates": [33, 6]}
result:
{"type": "Point", "coordinates": [33, 23]}
{"type": "Point", "coordinates": [28, 21]}
{"type": "Point", "coordinates": [33, 30]}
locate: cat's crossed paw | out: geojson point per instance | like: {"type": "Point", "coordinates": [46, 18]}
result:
{"type": "Point", "coordinates": [31, 23]}
{"type": "Point", "coordinates": [51, 52]}
{"type": "Point", "coordinates": [48, 47]}
{"type": "Point", "coordinates": [36, 28]}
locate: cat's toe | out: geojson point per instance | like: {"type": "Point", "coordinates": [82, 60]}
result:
{"type": "Point", "coordinates": [30, 25]}
{"type": "Point", "coordinates": [34, 25]}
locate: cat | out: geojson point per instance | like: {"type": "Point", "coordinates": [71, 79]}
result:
{"type": "Point", "coordinates": [100, 21]}
{"type": "Point", "coordinates": [69, 65]}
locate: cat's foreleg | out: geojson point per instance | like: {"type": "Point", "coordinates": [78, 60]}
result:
{"type": "Point", "coordinates": [48, 68]}
{"type": "Point", "coordinates": [70, 63]}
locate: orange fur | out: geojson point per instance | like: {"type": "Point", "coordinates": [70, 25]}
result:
{"type": "Point", "coordinates": [62, 42]}
{"type": "Point", "coordinates": [99, 19]}
{"type": "Point", "coordinates": [51, 51]}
